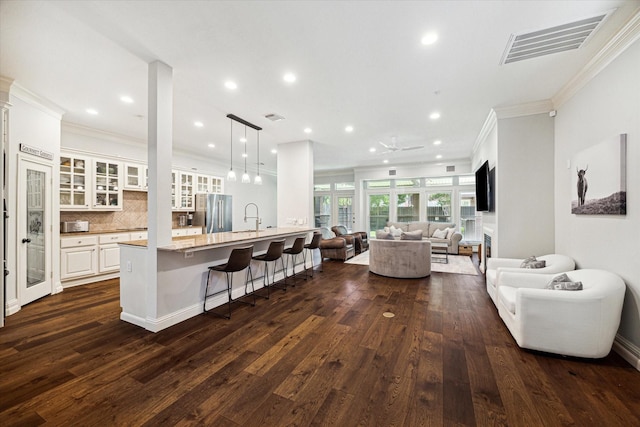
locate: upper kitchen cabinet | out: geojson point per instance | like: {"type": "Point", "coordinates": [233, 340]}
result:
{"type": "Point", "coordinates": [74, 177]}
{"type": "Point", "coordinates": [186, 180]}
{"type": "Point", "coordinates": [107, 185]}
{"type": "Point", "coordinates": [136, 177]}
{"type": "Point", "coordinates": [208, 184]}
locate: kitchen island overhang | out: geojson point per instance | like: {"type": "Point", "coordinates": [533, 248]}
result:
{"type": "Point", "coordinates": [173, 291]}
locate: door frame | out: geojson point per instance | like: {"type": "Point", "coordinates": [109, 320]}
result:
{"type": "Point", "coordinates": [21, 272]}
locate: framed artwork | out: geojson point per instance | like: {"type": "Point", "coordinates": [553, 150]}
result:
{"type": "Point", "coordinates": [600, 178]}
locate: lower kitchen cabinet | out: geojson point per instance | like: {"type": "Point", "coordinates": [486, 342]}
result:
{"type": "Point", "coordinates": [110, 251]}
{"type": "Point", "coordinates": [78, 257]}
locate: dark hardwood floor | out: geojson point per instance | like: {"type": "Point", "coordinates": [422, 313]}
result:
{"type": "Point", "coordinates": [321, 353]}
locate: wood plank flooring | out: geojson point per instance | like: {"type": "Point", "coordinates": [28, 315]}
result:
{"type": "Point", "coordinates": [318, 354]}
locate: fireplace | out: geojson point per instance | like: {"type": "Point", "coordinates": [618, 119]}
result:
{"type": "Point", "coordinates": [486, 248]}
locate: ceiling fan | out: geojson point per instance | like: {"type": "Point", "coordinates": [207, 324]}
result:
{"type": "Point", "coordinates": [393, 147]}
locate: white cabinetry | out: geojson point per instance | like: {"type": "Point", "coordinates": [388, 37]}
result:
{"type": "Point", "coordinates": [78, 257]}
{"type": "Point", "coordinates": [186, 180]}
{"type": "Point", "coordinates": [208, 184]}
{"type": "Point", "coordinates": [135, 177]}
{"type": "Point", "coordinates": [179, 232]}
{"type": "Point", "coordinates": [107, 185]}
{"type": "Point", "coordinates": [74, 178]}
{"type": "Point", "coordinates": [110, 251]}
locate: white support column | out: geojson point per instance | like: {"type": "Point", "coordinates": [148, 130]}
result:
{"type": "Point", "coordinates": [295, 184]}
{"type": "Point", "coordinates": [159, 153]}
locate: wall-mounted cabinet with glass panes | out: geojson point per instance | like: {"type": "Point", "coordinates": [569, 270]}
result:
{"type": "Point", "coordinates": [107, 185]}
{"type": "Point", "coordinates": [75, 173]}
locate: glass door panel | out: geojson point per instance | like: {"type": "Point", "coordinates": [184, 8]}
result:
{"type": "Point", "coordinates": [322, 211]}
{"type": "Point", "coordinates": [408, 207]}
{"type": "Point", "coordinates": [345, 211]}
{"type": "Point", "coordinates": [378, 212]}
{"type": "Point", "coordinates": [470, 222]}
{"type": "Point", "coordinates": [439, 207]}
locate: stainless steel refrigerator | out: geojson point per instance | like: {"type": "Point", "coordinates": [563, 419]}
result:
{"type": "Point", "coordinates": [213, 212]}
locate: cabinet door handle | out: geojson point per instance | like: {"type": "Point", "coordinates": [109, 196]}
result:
{"type": "Point", "coordinates": [25, 240]}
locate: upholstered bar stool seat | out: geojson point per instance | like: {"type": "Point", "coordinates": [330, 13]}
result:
{"type": "Point", "coordinates": [240, 259]}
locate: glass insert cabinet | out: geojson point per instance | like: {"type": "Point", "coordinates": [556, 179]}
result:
{"type": "Point", "coordinates": [107, 191]}
{"type": "Point", "coordinates": [73, 182]}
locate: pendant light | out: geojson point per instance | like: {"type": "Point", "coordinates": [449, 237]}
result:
{"type": "Point", "coordinates": [246, 179]}
{"type": "Point", "coordinates": [231, 175]}
{"type": "Point", "coordinates": [258, 179]}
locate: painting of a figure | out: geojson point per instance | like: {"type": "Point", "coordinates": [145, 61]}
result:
{"type": "Point", "coordinates": [600, 179]}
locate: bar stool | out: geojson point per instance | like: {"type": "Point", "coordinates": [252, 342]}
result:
{"type": "Point", "coordinates": [239, 260]}
{"type": "Point", "coordinates": [293, 251]}
{"type": "Point", "coordinates": [311, 246]}
{"type": "Point", "coordinates": [273, 254]}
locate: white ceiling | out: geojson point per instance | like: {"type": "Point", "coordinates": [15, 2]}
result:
{"type": "Point", "coordinates": [357, 63]}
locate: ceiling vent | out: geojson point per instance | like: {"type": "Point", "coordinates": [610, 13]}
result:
{"type": "Point", "coordinates": [392, 172]}
{"type": "Point", "coordinates": [551, 40]}
{"type": "Point", "coordinates": [274, 117]}
{"type": "Point", "coordinates": [451, 168]}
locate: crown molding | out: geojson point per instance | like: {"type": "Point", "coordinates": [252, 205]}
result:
{"type": "Point", "coordinates": [12, 88]}
{"type": "Point", "coordinates": [489, 124]}
{"type": "Point", "coordinates": [97, 133]}
{"type": "Point", "coordinates": [525, 109]}
{"type": "Point", "coordinates": [624, 38]}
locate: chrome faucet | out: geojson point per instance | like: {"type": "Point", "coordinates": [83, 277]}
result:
{"type": "Point", "coordinates": [257, 217]}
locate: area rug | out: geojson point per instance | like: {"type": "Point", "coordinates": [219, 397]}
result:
{"type": "Point", "coordinates": [458, 264]}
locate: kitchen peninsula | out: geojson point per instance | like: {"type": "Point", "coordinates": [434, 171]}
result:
{"type": "Point", "coordinates": [178, 292]}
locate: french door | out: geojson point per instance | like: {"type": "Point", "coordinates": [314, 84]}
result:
{"type": "Point", "coordinates": [34, 231]}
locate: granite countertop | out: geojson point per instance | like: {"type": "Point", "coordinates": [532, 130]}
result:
{"type": "Point", "coordinates": [213, 240]}
{"type": "Point", "coordinates": [117, 230]}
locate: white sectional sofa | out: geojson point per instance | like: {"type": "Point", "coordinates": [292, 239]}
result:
{"type": "Point", "coordinates": [429, 228]}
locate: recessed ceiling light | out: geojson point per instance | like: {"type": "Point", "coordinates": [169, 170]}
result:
{"type": "Point", "coordinates": [429, 38]}
{"type": "Point", "coordinates": [307, 130]}
{"type": "Point", "coordinates": [439, 156]}
{"type": "Point", "coordinates": [372, 149]}
{"type": "Point", "coordinates": [385, 161]}
{"type": "Point", "coordinates": [211, 145]}
{"type": "Point", "coordinates": [230, 85]}
{"type": "Point", "coordinates": [198, 124]}
{"type": "Point", "coordinates": [92, 111]}
{"type": "Point", "coordinates": [289, 77]}
{"type": "Point", "coordinates": [243, 139]}
{"type": "Point", "coordinates": [437, 142]}
{"type": "Point", "coordinates": [434, 116]}
{"type": "Point", "coordinates": [274, 151]}
{"type": "Point", "coordinates": [126, 99]}
{"type": "Point", "coordinates": [348, 129]}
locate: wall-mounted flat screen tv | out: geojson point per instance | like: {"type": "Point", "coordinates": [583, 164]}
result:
{"type": "Point", "coordinates": [483, 188]}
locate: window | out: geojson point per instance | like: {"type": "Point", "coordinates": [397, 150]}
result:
{"type": "Point", "coordinates": [466, 180]}
{"type": "Point", "coordinates": [405, 183]}
{"type": "Point", "coordinates": [470, 221]}
{"type": "Point", "coordinates": [345, 186]}
{"type": "Point", "coordinates": [439, 207]}
{"type": "Point", "coordinates": [345, 211]}
{"type": "Point", "coordinates": [378, 184]}
{"type": "Point", "coordinates": [322, 187]}
{"type": "Point", "coordinates": [378, 212]}
{"type": "Point", "coordinates": [408, 207]}
{"type": "Point", "coordinates": [446, 181]}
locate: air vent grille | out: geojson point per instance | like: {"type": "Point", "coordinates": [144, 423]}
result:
{"type": "Point", "coordinates": [274, 117]}
{"type": "Point", "coordinates": [551, 40]}
{"type": "Point", "coordinates": [451, 168]}
{"type": "Point", "coordinates": [392, 172]}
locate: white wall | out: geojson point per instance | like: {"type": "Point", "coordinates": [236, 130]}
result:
{"type": "Point", "coordinates": [295, 184]}
{"type": "Point", "coordinates": [524, 181]}
{"type": "Point", "coordinates": [606, 107]}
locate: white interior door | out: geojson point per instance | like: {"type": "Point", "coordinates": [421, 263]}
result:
{"type": "Point", "coordinates": [34, 231]}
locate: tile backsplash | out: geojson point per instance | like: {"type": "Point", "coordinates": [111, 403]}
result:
{"type": "Point", "coordinates": [133, 215]}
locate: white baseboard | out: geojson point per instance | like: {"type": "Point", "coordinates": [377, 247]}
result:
{"type": "Point", "coordinates": [13, 306]}
{"type": "Point", "coordinates": [628, 350]}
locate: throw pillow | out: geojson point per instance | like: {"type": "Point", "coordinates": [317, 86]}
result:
{"type": "Point", "coordinates": [411, 235]}
{"type": "Point", "coordinates": [382, 235]}
{"type": "Point", "coordinates": [440, 234]}
{"type": "Point", "coordinates": [450, 232]}
{"type": "Point", "coordinates": [532, 262]}
{"type": "Point", "coordinates": [564, 283]}
{"type": "Point", "coordinates": [396, 232]}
